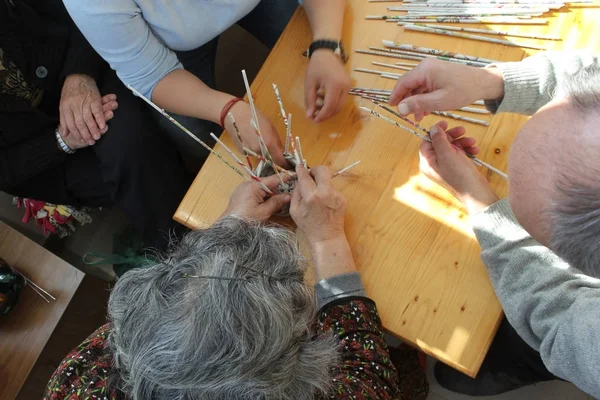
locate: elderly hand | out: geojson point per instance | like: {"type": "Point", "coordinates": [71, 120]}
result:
{"type": "Point", "coordinates": [243, 117]}
{"type": "Point", "coordinates": [445, 162]}
{"type": "Point", "coordinates": [326, 85]}
{"type": "Point", "coordinates": [436, 85]}
{"type": "Point", "coordinates": [317, 208]}
{"type": "Point", "coordinates": [83, 112]}
{"type": "Point", "coordinates": [250, 201]}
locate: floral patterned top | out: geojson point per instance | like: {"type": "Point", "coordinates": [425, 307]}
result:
{"type": "Point", "coordinates": [368, 371]}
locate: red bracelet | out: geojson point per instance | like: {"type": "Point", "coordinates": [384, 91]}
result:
{"type": "Point", "coordinates": [226, 109]}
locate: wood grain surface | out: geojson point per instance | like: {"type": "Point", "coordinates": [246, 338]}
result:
{"type": "Point", "coordinates": [411, 239]}
{"type": "Point", "coordinates": [25, 331]}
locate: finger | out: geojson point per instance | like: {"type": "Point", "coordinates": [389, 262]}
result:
{"type": "Point", "coordinates": [81, 126]}
{"type": "Point", "coordinates": [108, 98]}
{"type": "Point", "coordinates": [405, 85]}
{"type": "Point", "coordinates": [310, 97]}
{"type": "Point", "coordinates": [98, 113]}
{"type": "Point", "coordinates": [473, 150]}
{"type": "Point", "coordinates": [295, 203]}
{"type": "Point", "coordinates": [275, 203]}
{"type": "Point", "coordinates": [441, 144]}
{"type": "Point", "coordinates": [90, 122]}
{"type": "Point", "coordinates": [421, 103]}
{"type": "Point", "coordinates": [72, 127]}
{"type": "Point", "coordinates": [442, 124]}
{"type": "Point", "coordinates": [108, 115]}
{"type": "Point", "coordinates": [110, 106]}
{"type": "Point", "coordinates": [272, 182]}
{"type": "Point", "coordinates": [331, 98]}
{"type": "Point", "coordinates": [341, 101]}
{"type": "Point", "coordinates": [305, 182]}
{"type": "Point", "coordinates": [465, 142]}
{"type": "Point", "coordinates": [322, 175]}
{"type": "Point", "coordinates": [456, 132]}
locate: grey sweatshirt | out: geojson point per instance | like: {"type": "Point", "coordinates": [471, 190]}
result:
{"type": "Point", "coordinates": [553, 306]}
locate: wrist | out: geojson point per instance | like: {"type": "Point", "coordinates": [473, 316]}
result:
{"type": "Point", "coordinates": [475, 203]}
{"type": "Point", "coordinates": [318, 244]}
{"type": "Point", "coordinates": [219, 101]}
{"type": "Point", "coordinates": [62, 145]}
{"type": "Point", "coordinates": [490, 82]}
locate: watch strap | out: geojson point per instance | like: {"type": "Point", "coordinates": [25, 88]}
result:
{"type": "Point", "coordinates": [333, 45]}
{"type": "Point", "coordinates": [61, 143]}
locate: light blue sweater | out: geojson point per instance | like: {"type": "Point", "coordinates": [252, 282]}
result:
{"type": "Point", "coordinates": [137, 37]}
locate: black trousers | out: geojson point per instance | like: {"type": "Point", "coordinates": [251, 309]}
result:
{"type": "Point", "coordinates": [134, 166]}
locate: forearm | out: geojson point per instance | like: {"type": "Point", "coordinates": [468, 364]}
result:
{"type": "Point", "coordinates": [183, 93]}
{"type": "Point", "coordinates": [326, 18]}
{"type": "Point", "coordinates": [535, 81]}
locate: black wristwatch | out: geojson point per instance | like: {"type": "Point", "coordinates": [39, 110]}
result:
{"type": "Point", "coordinates": [334, 45]}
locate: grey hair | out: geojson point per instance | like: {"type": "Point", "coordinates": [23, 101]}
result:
{"type": "Point", "coordinates": [575, 215]}
{"type": "Point", "coordinates": [178, 337]}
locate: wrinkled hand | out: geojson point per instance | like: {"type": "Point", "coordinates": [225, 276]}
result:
{"type": "Point", "coordinates": [317, 208]}
{"type": "Point", "coordinates": [444, 161]}
{"type": "Point", "coordinates": [436, 85]}
{"type": "Point", "coordinates": [243, 117]}
{"type": "Point", "coordinates": [250, 201]}
{"type": "Point", "coordinates": [326, 86]}
{"type": "Point", "coordinates": [83, 112]}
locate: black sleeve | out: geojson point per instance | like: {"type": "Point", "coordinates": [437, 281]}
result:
{"type": "Point", "coordinates": [27, 147]}
{"type": "Point", "coordinates": [81, 57]}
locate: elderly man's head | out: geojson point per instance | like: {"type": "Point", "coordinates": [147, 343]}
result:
{"type": "Point", "coordinates": [554, 170]}
{"type": "Point", "coordinates": [227, 315]}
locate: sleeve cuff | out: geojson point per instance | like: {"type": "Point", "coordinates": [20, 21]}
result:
{"type": "Point", "coordinates": [517, 77]}
{"type": "Point", "coordinates": [337, 287]}
{"type": "Point", "coordinates": [497, 221]}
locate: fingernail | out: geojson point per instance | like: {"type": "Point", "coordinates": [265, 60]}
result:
{"type": "Point", "coordinates": [91, 142]}
{"type": "Point", "coordinates": [105, 129]}
{"type": "Point", "coordinates": [96, 137]}
{"type": "Point", "coordinates": [287, 197]}
{"type": "Point", "coordinates": [403, 109]}
{"type": "Point", "coordinates": [110, 114]}
{"type": "Point", "coordinates": [433, 131]}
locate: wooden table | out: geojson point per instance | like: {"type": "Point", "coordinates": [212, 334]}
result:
{"type": "Point", "coordinates": [25, 331]}
{"type": "Point", "coordinates": [411, 239]}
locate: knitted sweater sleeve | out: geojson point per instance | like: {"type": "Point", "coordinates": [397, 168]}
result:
{"type": "Point", "coordinates": [552, 306]}
{"type": "Point", "coordinates": [535, 81]}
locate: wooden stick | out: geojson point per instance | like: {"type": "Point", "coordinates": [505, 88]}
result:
{"type": "Point", "coordinates": [383, 74]}
{"type": "Point", "coordinates": [341, 171]}
{"type": "Point", "coordinates": [390, 66]}
{"type": "Point", "coordinates": [493, 32]}
{"type": "Point", "coordinates": [474, 110]}
{"type": "Point", "coordinates": [183, 128]}
{"type": "Point", "coordinates": [468, 36]}
{"type": "Point", "coordinates": [428, 139]}
{"type": "Point", "coordinates": [424, 56]}
{"type": "Point", "coordinates": [253, 176]}
{"type": "Point", "coordinates": [283, 114]}
{"type": "Point", "coordinates": [239, 136]}
{"type": "Point", "coordinates": [460, 118]}
{"type": "Point", "coordinates": [300, 154]}
{"type": "Point", "coordinates": [427, 50]}
{"type": "Point", "coordinates": [263, 146]}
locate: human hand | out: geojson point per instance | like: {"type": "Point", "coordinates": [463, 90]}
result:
{"type": "Point", "coordinates": [250, 201]}
{"type": "Point", "coordinates": [83, 112]}
{"type": "Point", "coordinates": [243, 117]}
{"type": "Point", "coordinates": [317, 208]}
{"type": "Point", "coordinates": [444, 160]}
{"type": "Point", "coordinates": [326, 85]}
{"type": "Point", "coordinates": [436, 85]}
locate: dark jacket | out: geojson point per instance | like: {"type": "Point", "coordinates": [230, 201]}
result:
{"type": "Point", "coordinates": [39, 37]}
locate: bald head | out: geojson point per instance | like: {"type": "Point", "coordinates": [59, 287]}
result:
{"type": "Point", "coordinates": [554, 169]}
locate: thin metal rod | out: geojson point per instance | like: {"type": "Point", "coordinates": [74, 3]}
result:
{"type": "Point", "coordinates": [184, 129]}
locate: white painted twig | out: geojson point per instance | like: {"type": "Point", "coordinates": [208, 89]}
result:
{"type": "Point", "coordinates": [460, 118]}
{"type": "Point", "coordinates": [390, 65]}
{"type": "Point", "coordinates": [341, 171]}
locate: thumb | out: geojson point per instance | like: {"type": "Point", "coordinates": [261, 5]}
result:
{"type": "Point", "coordinates": [419, 104]}
{"type": "Point", "coordinates": [442, 146]}
{"type": "Point", "coordinates": [276, 203]}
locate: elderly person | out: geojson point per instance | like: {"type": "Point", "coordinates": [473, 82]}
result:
{"type": "Point", "coordinates": [543, 260]}
{"type": "Point", "coordinates": [228, 315]}
{"type": "Point", "coordinates": [166, 50]}
{"type": "Point", "coordinates": [54, 91]}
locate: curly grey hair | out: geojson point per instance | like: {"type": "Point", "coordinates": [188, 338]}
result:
{"type": "Point", "coordinates": [178, 337]}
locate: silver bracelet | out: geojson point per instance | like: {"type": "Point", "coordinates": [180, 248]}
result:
{"type": "Point", "coordinates": [61, 143]}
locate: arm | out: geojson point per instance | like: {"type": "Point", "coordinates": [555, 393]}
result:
{"type": "Point", "coordinates": [535, 81]}
{"type": "Point", "coordinates": [27, 147]}
{"type": "Point", "coordinates": [325, 73]}
{"type": "Point", "coordinates": [366, 369]}
{"type": "Point", "coordinates": [554, 308]}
